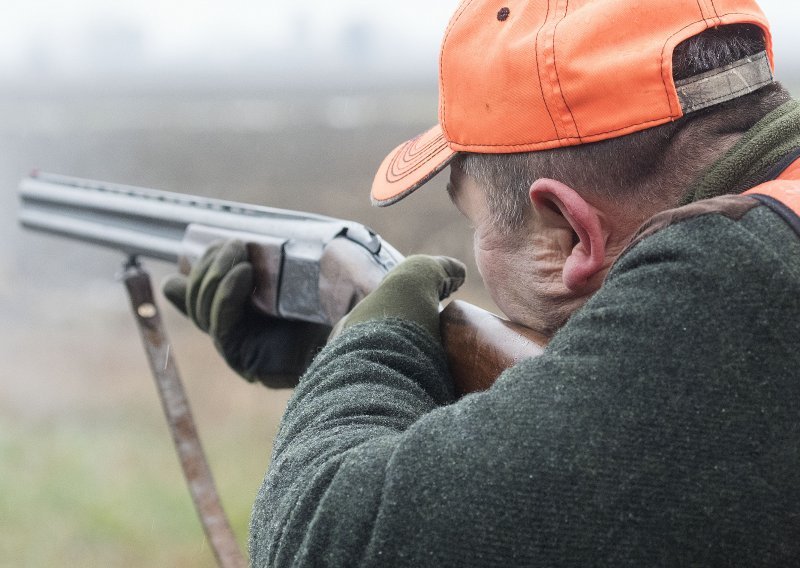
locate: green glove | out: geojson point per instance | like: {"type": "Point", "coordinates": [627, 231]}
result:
{"type": "Point", "coordinates": [411, 291]}
{"type": "Point", "coordinates": [217, 297]}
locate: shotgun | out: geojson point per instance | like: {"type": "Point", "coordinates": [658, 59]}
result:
{"type": "Point", "coordinates": [308, 267]}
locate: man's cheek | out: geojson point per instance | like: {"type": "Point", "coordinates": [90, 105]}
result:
{"type": "Point", "coordinates": [482, 263]}
{"type": "Point", "coordinates": [493, 279]}
{"type": "Point", "coordinates": [489, 269]}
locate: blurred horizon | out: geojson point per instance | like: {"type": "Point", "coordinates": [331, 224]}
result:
{"type": "Point", "coordinates": [244, 45]}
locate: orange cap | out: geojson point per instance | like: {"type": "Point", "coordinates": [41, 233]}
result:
{"type": "Point", "coordinates": [525, 75]}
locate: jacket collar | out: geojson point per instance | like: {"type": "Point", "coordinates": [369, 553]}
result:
{"type": "Point", "coordinates": [762, 154]}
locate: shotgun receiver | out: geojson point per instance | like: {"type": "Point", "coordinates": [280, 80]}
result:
{"type": "Point", "coordinates": [307, 267]}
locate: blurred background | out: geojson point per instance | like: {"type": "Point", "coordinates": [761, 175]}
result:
{"type": "Point", "coordinates": [291, 105]}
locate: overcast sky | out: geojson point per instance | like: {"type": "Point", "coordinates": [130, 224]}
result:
{"type": "Point", "coordinates": [57, 37]}
{"type": "Point", "coordinates": [75, 37]}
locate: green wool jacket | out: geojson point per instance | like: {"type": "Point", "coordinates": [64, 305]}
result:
{"type": "Point", "coordinates": [659, 428]}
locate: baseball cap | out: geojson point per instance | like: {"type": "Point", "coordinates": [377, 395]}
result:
{"type": "Point", "coordinates": [530, 75]}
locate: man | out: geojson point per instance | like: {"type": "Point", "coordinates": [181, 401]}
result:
{"type": "Point", "coordinates": [660, 425]}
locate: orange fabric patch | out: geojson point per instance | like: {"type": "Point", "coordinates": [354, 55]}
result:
{"type": "Point", "coordinates": [785, 189]}
{"type": "Point", "coordinates": [792, 172]}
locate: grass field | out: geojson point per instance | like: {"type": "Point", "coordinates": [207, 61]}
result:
{"type": "Point", "coordinates": [88, 475]}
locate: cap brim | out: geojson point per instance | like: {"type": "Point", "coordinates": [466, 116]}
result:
{"type": "Point", "coordinates": [410, 166]}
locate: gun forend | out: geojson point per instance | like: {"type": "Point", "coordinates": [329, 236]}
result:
{"type": "Point", "coordinates": [288, 248]}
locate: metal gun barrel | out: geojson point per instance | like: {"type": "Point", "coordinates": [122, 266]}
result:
{"type": "Point", "coordinates": [149, 222]}
{"type": "Point", "coordinates": [177, 227]}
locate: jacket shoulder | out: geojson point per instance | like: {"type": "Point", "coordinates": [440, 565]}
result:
{"type": "Point", "coordinates": [733, 207]}
{"type": "Point", "coordinates": [783, 197]}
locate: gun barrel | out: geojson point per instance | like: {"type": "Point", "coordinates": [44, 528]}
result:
{"type": "Point", "coordinates": [152, 223]}
{"type": "Point", "coordinates": [149, 222]}
{"type": "Point", "coordinates": [177, 227]}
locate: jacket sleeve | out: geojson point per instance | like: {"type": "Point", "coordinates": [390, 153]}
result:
{"type": "Point", "coordinates": [337, 438]}
{"type": "Point", "coordinates": [659, 428]}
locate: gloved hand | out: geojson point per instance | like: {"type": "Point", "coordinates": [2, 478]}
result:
{"type": "Point", "coordinates": [411, 291]}
{"type": "Point", "coordinates": [216, 296]}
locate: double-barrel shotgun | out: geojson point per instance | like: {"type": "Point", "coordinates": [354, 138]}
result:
{"type": "Point", "coordinates": [308, 267]}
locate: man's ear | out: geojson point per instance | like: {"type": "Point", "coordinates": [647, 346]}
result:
{"type": "Point", "coordinates": [558, 206]}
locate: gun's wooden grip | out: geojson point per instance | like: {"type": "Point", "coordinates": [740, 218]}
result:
{"type": "Point", "coordinates": [480, 345]}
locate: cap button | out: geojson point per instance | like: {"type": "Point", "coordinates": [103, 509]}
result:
{"type": "Point", "coordinates": [503, 14]}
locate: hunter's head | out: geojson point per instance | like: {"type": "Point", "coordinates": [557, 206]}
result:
{"type": "Point", "coordinates": [566, 128]}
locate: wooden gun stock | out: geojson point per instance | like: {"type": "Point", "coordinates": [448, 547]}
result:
{"type": "Point", "coordinates": [480, 345]}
